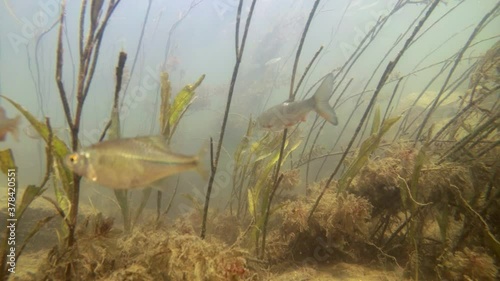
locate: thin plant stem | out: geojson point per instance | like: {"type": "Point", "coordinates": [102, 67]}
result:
{"type": "Point", "coordinates": [317, 137]}
{"type": "Point", "coordinates": [237, 35]}
{"type": "Point", "coordinates": [139, 45]}
{"type": "Point", "coordinates": [299, 49]}
{"type": "Point", "coordinates": [307, 70]}
{"type": "Point", "coordinates": [345, 69]}
{"type": "Point", "coordinates": [169, 205]}
{"type": "Point", "coordinates": [383, 79]}
{"type": "Point", "coordinates": [59, 67]}
{"type": "Point", "coordinates": [226, 115]}
{"type": "Point", "coordinates": [266, 216]}
{"type": "Point", "coordinates": [292, 92]}
{"type": "Point", "coordinates": [476, 31]}
{"type": "Point", "coordinates": [464, 141]}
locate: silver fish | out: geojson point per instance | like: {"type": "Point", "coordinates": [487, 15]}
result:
{"type": "Point", "coordinates": [8, 125]}
{"type": "Point", "coordinates": [288, 114]}
{"type": "Point", "coordinates": [131, 163]}
{"type": "Point", "coordinates": [272, 61]}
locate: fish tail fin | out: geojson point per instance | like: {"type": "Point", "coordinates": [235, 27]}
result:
{"type": "Point", "coordinates": [14, 127]}
{"type": "Point", "coordinates": [200, 168]}
{"type": "Point", "coordinates": [327, 112]}
{"type": "Point", "coordinates": [321, 98]}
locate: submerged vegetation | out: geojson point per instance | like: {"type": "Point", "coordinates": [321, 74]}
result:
{"type": "Point", "coordinates": [412, 195]}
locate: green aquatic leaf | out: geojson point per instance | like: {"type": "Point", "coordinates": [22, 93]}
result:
{"type": "Point", "coordinates": [29, 194]}
{"type": "Point", "coordinates": [146, 193]}
{"type": "Point", "coordinates": [251, 203]}
{"type": "Point", "coordinates": [165, 103]}
{"type": "Point", "coordinates": [122, 198]}
{"type": "Point", "coordinates": [420, 160]}
{"type": "Point", "coordinates": [366, 149]}
{"type": "Point", "coordinates": [376, 121]}
{"type": "Point", "coordinates": [41, 223]}
{"type": "Point", "coordinates": [181, 104]}
{"type": "Point", "coordinates": [66, 178]}
{"type": "Point", "coordinates": [115, 127]}
{"type": "Point", "coordinates": [198, 205]}
{"type": "Point", "coordinates": [7, 160]}
{"type": "Point", "coordinates": [244, 143]}
{"type": "Point", "coordinates": [59, 147]}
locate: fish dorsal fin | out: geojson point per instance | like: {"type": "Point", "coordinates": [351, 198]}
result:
{"type": "Point", "coordinates": [158, 142]}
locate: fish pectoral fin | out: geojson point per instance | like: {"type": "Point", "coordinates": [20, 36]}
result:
{"type": "Point", "coordinates": [91, 174]}
{"type": "Point", "coordinates": [159, 185]}
{"type": "Point", "coordinates": [199, 164]}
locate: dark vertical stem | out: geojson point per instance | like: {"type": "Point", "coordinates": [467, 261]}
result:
{"type": "Point", "coordinates": [307, 70]}
{"type": "Point", "coordinates": [122, 58]}
{"type": "Point", "coordinates": [226, 115]}
{"type": "Point", "coordinates": [83, 81]}
{"type": "Point", "coordinates": [237, 36]}
{"type": "Point", "coordinates": [387, 109]}
{"type": "Point", "coordinates": [292, 82]}
{"type": "Point", "coordinates": [213, 169]}
{"type": "Point", "coordinates": [82, 28]}
{"type": "Point", "coordinates": [59, 68]}
{"type": "Point", "coordinates": [266, 216]}
{"type": "Point", "coordinates": [299, 49]}
{"type": "Point", "coordinates": [158, 204]}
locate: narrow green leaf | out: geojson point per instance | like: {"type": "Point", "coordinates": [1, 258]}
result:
{"type": "Point", "coordinates": [122, 198]}
{"type": "Point", "coordinates": [41, 223]}
{"type": "Point", "coordinates": [165, 103]}
{"type": "Point", "coordinates": [376, 121]}
{"type": "Point", "coordinates": [29, 194]}
{"type": "Point", "coordinates": [251, 204]}
{"type": "Point", "coordinates": [60, 148]}
{"type": "Point", "coordinates": [366, 149]}
{"type": "Point", "coordinates": [182, 102]}
{"type": "Point", "coordinates": [146, 193]}
{"type": "Point", "coordinates": [7, 160]}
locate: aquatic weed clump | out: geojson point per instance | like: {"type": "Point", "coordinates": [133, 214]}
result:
{"type": "Point", "coordinates": [223, 226]}
{"type": "Point", "coordinates": [379, 179]}
{"type": "Point", "coordinates": [337, 227]}
{"type": "Point", "coordinates": [468, 264]}
{"type": "Point", "coordinates": [146, 254]}
{"type": "Point", "coordinates": [91, 258]}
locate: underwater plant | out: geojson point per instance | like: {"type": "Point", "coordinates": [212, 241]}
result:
{"type": "Point", "coordinates": [215, 155]}
{"type": "Point", "coordinates": [31, 193]}
{"type": "Point", "coordinates": [423, 206]}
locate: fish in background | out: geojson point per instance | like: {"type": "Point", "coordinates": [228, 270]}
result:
{"type": "Point", "coordinates": [288, 113]}
{"type": "Point", "coordinates": [131, 162]}
{"type": "Point", "coordinates": [8, 125]}
{"type": "Point", "coordinates": [32, 133]}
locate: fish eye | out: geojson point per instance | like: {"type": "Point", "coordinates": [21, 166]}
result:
{"type": "Point", "coordinates": [73, 158]}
